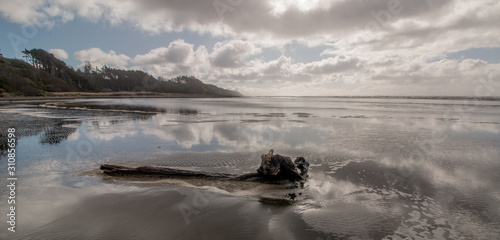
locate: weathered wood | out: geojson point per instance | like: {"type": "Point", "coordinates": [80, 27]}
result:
{"type": "Point", "coordinates": [303, 166]}
{"type": "Point", "coordinates": [274, 168]}
{"type": "Point", "coordinates": [118, 170]}
{"type": "Point", "coordinates": [165, 172]}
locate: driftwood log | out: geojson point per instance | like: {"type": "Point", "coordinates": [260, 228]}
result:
{"type": "Point", "coordinates": [165, 172]}
{"type": "Point", "coordinates": [273, 168]}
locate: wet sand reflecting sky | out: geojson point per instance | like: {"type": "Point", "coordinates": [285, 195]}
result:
{"type": "Point", "coordinates": [380, 168]}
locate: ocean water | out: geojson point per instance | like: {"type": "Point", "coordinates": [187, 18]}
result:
{"type": "Point", "coordinates": [380, 168]}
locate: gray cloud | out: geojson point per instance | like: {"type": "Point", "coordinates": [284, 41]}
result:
{"type": "Point", "coordinates": [241, 16]}
{"type": "Point", "coordinates": [376, 46]}
{"type": "Point", "coordinates": [339, 18]}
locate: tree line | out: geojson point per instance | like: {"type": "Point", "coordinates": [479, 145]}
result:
{"type": "Point", "coordinates": [93, 79]}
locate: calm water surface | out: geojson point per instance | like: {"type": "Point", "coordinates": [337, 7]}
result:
{"type": "Point", "coordinates": [380, 168]}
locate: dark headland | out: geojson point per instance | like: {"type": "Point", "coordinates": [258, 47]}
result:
{"type": "Point", "coordinates": [43, 75]}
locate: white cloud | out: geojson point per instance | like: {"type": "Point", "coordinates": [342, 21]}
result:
{"type": "Point", "coordinates": [23, 12]}
{"type": "Point", "coordinates": [59, 53]}
{"type": "Point", "coordinates": [331, 65]}
{"type": "Point", "coordinates": [100, 58]}
{"type": "Point", "coordinates": [232, 54]}
{"type": "Point", "coordinates": [179, 58]}
{"type": "Point", "coordinates": [278, 67]}
{"type": "Point", "coordinates": [177, 52]}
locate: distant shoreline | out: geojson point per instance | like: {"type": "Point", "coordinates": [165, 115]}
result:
{"type": "Point", "coordinates": [398, 97]}
{"type": "Point", "coordinates": [89, 95]}
{"type": "Point", "coordinates": [492, 98]}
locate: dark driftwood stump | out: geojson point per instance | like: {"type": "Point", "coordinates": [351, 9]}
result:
{"type": "Point", "coordinates": [280, 167]}
{"type": "Point", "coordinates": [273, 168]}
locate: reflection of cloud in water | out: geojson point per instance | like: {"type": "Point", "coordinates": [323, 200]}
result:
{"type": "Point", "coordinates": [222, 129]}
{"type": "Point", "coordinates": [361, 137]}
{"type": "Point", "coordinates": [185, 134]}
{"type": "Point", "coordinates": [45, 200]}
{"type": "Point", "coordinates": [432, 200]}
{"type": "Point", "coordinates": [231, 132]}
{"type": "Point", "coordinates": [107, 132]}
{"type": "Point", "coordinates": [437, 124]}
{"type": "Point", "coordinates": [321, 187]}
{"type": "Point", "coordinates": [228, 135]}
{"type": "Point", "coordinates": [376, 213]}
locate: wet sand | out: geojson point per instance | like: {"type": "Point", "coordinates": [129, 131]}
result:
{"type": "Point", "coordinates": [380, 168]}
{"type": "Point", "coordinates": [123, 211]}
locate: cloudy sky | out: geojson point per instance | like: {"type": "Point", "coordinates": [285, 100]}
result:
{"type": "Point", "coordinates": [280, 47]}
